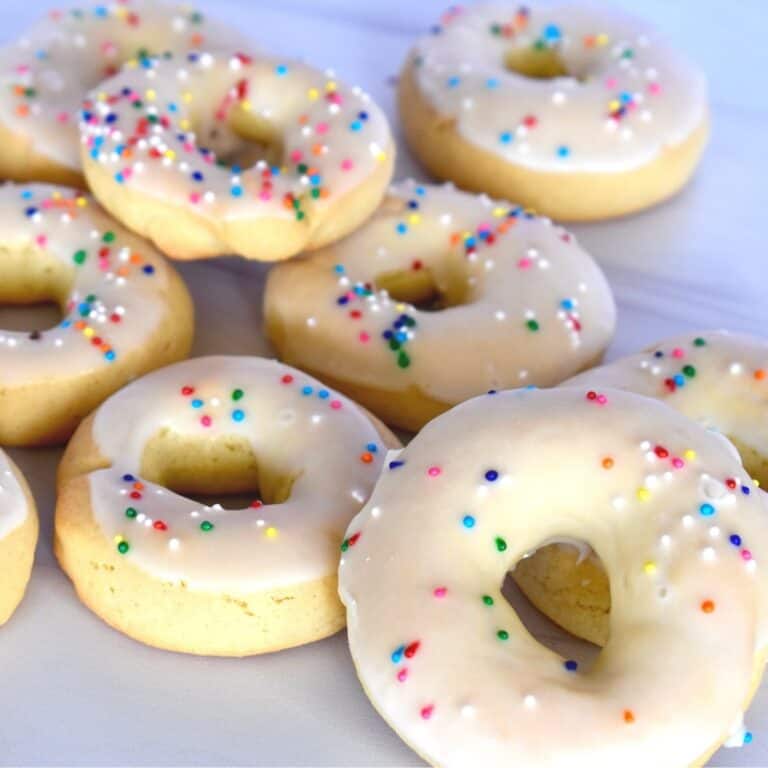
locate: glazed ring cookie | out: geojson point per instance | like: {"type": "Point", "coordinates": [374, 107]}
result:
{"type": "Point", "coordinates": [212, 154]}
{"type": "Point", "coordinates": [578, 111]}
{"type": "Point", "coordinates": [18, 536]}
{"type": "Point", "coordinates": [715, 378]}
{"type": "Point", "coordinates": [124, 311]}
{"type": "Point", "coordinates": [46, 73]}
{"type": "Point", "coordinates": [177, 574]}
{"type": "Point", "coordinates": [447, 661]}
{"type": "Point", "coordinates": [441, 296]}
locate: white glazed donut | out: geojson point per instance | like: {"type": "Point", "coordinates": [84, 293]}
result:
{"type": "Point", "coordinates": [45, 74]}
{"type": "Point", "coordinates": [577, 110]}
{"type": "Point", "coordinates": [715, 378]}
{"type": "Point", "coordinates": [170, 149]}
{"type": "Point", "coordinates": [125, 310]}
{"type": "Point", "coordinates": [446, 660]}
{"type": "Point", "coordinates": [181, 575]}
{"type": "Point", "coordinates": [521, 303]}
{"type": "Point", "coordinates": [18, 536]}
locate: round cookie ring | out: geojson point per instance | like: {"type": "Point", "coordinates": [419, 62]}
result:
{"type": "Point", "coordinates": [715, 378]}
{"type": "Point", "coordinates": [577, 111]}
{"type": "Point", "coordinates": [213, 154]}
{"type": "Point", "coordinates": [180, 575]}
{"type": "Point", "coordinates": [446, 660]}
{"type": "Point", "coordinates": [125, 311]}
{"type": "Point", "coordinates": [520, 303]}
{"type": "Point", "coordinates": [46, 73]}
{"type": "Point", "coordinates": [18, 536]}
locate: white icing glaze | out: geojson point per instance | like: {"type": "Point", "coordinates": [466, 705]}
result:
{"type": "Point", "coordinates": [46, 73]}
{"type": "Point", "coordinates": [332, 136]}
{"type": "Point", "coordinates": [118, 290]}
{"type": "Point", "coordinates": [296, 428]}
{"type": "Point", "coordinates": [445, 658]}
{"type": "Point", "coordinates": [565, 124]}
{"type": "Point", "coordinates": [714, 377]}
{"type": "Point", "coordinates": [537, 307]}
{"type": "Point", "coordinates": [13, 501]}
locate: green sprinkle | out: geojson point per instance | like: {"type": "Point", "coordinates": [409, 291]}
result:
{"type": "Point", "coordinates": [131, 512]}
{"type": "Point", "coordinates": [80, 257]}
{"type": "Point", "coordinates": [699, 342]}
{"type": "Point", "coordinates": [316, 192]}
{"type": "Point", "coordinates": [345, 545]}
{"type": "Point", "coordinates": [237, 394]}
{"type": "Point", "coordinates": [206, 526]}
{"type": "Point", "coordinates": [689, 371]}
{"type": "Point", "coordinates": [502, 634]}
{"type": "Point", "coordinates": [394, 344]}
{"type": "Point", "coordinates": [532, 325]}
{"type": "Point", "coordinates": [487, 599]}
{"type": "Point", "coordinates": [501, 545]}
{"type": "Point", "coordinates": [108, 237]}
{"type": "Point", "coordinates": [403, 360]}
{"type": "Point", "coordinates": [123, 547]}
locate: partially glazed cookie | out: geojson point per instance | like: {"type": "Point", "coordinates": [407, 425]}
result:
{"type": "Point", "coordinates": [576, 110]}
{"type": "Point", "coordinates": [18, 536]}
{"type": "Point", "coordinates": [445, 658]}
{"type": "Point", "coordinates": [187, 576]}
{"type": "Point", "coordinates": [46, 73]}
{"type": "Point", "coordinates": [124, 311]}
{"type": "Point", "coordinates": [441, 296]}
{"type": "Point", "coordinates": [719, 380]}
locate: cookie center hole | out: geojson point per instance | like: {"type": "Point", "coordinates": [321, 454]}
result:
{"type": "Point", "coordinates": [536, 63]}
{"type": "Point", "coordinates": [243, 139]}
{"type": "Point", "coordinates": [221, 471]}
{"type": "Point", "coordinates": [562, 596]}
{"type": "Point", "coordinates": [31, 318]}
{"type": "Point", "coordinates": [419, 287]}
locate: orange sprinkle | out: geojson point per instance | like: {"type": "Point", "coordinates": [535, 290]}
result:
{"type": "Point", "coordinates": [607, 463]}
{"type": "Point", "coordinates": [79, 325]}
{"type": "Point", "coordinates": [366, 458]}
{"type": "Point", "coordinates": [123, 271]}
{"type": "Point", "coordinates": [135, 258]}
{"type": "Point", "coordinates": [18, 90]}
{"type": "Point", "coordinates": [629, 716]}
{"type": "Point", "coordinates": [196, 40]}
{"type": "Point", "coordinates": [22, 110]}
{"type": "Point", "coordinates": [589, 41]}
{"type": "Point", "coordinates": [707, 606]}
{"type": "Point", "coordinates": [760, 374]}
{"type": "Point", "coordinates": [139, 486]}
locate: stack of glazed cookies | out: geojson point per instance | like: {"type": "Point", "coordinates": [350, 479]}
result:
{"type": "Point", "coordinates": [624, 499]}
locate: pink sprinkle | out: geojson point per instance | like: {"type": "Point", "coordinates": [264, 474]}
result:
{"type": "Point", "coordinates": [194, 197]}
{"type": "Point", "coordinates": [364, 336]}
{"type": "Point", "coordinates": [426, 712]}
{"type": "Point", "coordinates": [524, 263]}
{"type": "Point", "coordinates": [104, 265]}
{"type": "Point", "coordinates": [265, 194]}
{"type": "Point", "coordinates": [63, 117]}
{"type": "Point", "coordinates": [335, 404]}
{"type": "Point", "coordinates": [296, 156]}
{"type": "Point", "coordinates": [610, 83]}
{"type": "Point", "coordinates": [746, 554]}
{"type": "Point", "coordinates": [434, 471]}
{"type": "Point", "coordinates": [347, 165]}
{"type": "Point", "coordinates": [602, 399]}
{"type": "Point", "coordinates": [440, 591]}
{"type": "Point", "coordinates": [321, 128]}
{"type": "Point", "coordinates": [678, 353]}
{"type": "Point", "coordinates": [654, 88]}
{"type": "Point", "coordinates": [402, 675]}
{"type": "Point", "coordinates": [678, 463]}
{"type": "Point", "coordinates": [206, 421]}
{"type": "Point", "coordinates": [41, 240]}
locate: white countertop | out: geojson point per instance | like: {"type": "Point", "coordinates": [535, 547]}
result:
{"type": "Point", "coordinates": [73, 691]}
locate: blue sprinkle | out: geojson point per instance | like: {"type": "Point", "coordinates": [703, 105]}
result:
{"type": "Point", "coordinates": [355, 125]}
{"type": "Point", "coordinates": [679, 379]}
{"type": "Point", "coordinates": [281, 69]}
{"type": "Point", "coordinates": [421, 191]}
{"type": "Point", "coordinates": [453, 81]}
{"type": "Point", "coordinates": [323, 394]}
{"type": "Point", "coordinates": [658, 353]}
{"type": "Point", "coordinates": [401, 228]}
{"type": "Point", "coordinates": [395, 464]}
{"type": "Point", "coordinates": [571, 665]}
{"type": "Point", "coordinates": [238, 415]}
{"type": "Point", "coordinates": [567, 304]}
{"type": "Point", "coordinates": [236, 191]}
{"type": "Point", "coordinates": [339, 269]}
{"type": "Point", "coordinates": [491, 475]}
{"type": "Point", "coordinates": [110, 355]}
{"type": "Point", "coordinates": [745, 490]}
{"type": "Point", "coordinates": [362, 115]}
{"type": "Point", "coordinates": [492, 82]}
{"type": "Point", "coordinates": [26, 194]}
{"type": "Point", "coordinates": [30, 212]}
{"type": "Point", "coordinates": [748, 737]}
{"type": "Point", "coordinates": [342, 300]}
{"type": "Point", "coordinates": [552, 32]}
{"type": "Point", "coordinates": [413, 204]}
{"type": "Point", "coordinates": [128, 478]}
{"type": "Point", "coordinates": [306, 390]}
{"type": "Point", "coordinates": [563, 151]}
{"type": "Point", "coordinates": [506, 137]}
{"type": "Point", "coordinates": [196, 403]}
{"type": "Point", "coordinates": [735, 539]}
{"type": "Point", "coordinates": [707, 510]}
{"type": "Point", "coordinates": [468, 521]}
{"type": "Point", "coordinates": [148, 269]}
{"type": "Point", "coordinates": [397, 654]}
{"type": "Point", "coordinates": [119, 178]}
{"type": "Point", "coordinates": [492, 391]}
{"type": "Point", "coordinates": [197, 176]}
{"type": "Point", "coordinates": [372, 447]}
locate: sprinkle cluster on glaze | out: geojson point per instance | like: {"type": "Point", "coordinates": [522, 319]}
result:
{"type": "Point", "coordinates": [627, 94]}
{"type": "Point", "coordinates": [165, 126]}
{"type": "Point", "coordinates": [678, 524]}
{"type": "Point", "coordinates": [296, 428]}
{"type": "Point", "coordinates": [118, 281]}
{"type": "Point", "coordinates": [45, 74]}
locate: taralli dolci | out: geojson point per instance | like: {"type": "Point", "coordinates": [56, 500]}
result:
{"type": "Point", "coordinates": [18, 536]}
{"type": "Point", "coordinates": [124, 311]}
{"type": "Point", "coordinates": [576, 110]}
{"type": "Point", "coordinates": [181, 575]}
{"type": "Point", "coordinates": [47, 71]}
{"type": "Point", "coordinates": [210, 154]}
{"type": "Point", "coordinates": [446, 659]}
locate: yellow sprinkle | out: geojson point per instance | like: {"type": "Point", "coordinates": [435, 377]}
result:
{"type": "Point", "coordinates": [246, 106]}
{"type": "Point", "coordinates": [271, 532]}
{"type": "Point", "coordinates": [186, 97]}
{"type": "Point", "coordinates": [313, 94]}
{"type": "Point", "coordinates": [121, 13]}
{"type": "Point", "coordinates": [381, 157]}
{"type": "Point", "coordinates": [101, 96]}
{"type": "Point", "coordinates": [88, 332]}
{"type": "Point", "coordinates": [690, 454]}
{"type": "Point", "coordinates": [499, 212]}
{"type": "Point", "coordinates": [131, 64]}
{"type": "Point", "coordinates": [650, 567]}
{"type": "Point", "coordinates": [414, 218]}
{"type": "Point", "coordinates": [150, 95]}
{"type": "Point", "coordinates": [401, 307]}
{"type": "Point", "coordinates": [170, 154]}
{"type": "Point", "coordinates": [613, 105]}
{"type": "Point", "coordinates": [184, 124]}
{"type": "Point", "coordinates": [330, 86]}
{"type": "Point", "coordinates": [82, 202]}
{"type": "Point", "coordinates": [602, 39]}
{"type": "Point", "coordinates": [56, 195]}
{"type": "Point", "coordinates": [643, 494]}
{"type": "Point", "coordinates": [118, 539]}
